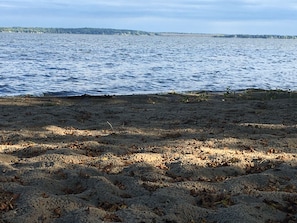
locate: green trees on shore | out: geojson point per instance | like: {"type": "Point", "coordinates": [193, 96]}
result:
{"type": "Point", "coordinates": [256, 36]}
{"type": "Point", "coordinates": [97, 31]}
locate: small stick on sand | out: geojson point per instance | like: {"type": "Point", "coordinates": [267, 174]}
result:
{"type": "Point", "coordinates": [110, 125]}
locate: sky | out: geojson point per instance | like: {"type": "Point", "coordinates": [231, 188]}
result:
{"type": "Point", "coordinates": [277, 17]}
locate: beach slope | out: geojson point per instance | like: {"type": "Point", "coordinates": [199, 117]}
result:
{"type": "Point", "coordinates": [195, 157]}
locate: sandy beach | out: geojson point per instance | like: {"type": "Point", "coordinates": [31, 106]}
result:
{"type": "Point", "coordinates": [193, 157]}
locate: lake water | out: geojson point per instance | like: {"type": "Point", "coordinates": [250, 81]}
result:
{"type": "Point", "coordinates": [67, 65]}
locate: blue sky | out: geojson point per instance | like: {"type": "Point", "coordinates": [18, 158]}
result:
{"type": "Point", "coordinates": [193, 16]}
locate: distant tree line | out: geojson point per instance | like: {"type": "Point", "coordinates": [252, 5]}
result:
{"type": "Point", "coordinates": [256, 36]}
{"type": "Point", "coordinates": [95, 31]}
{"type": "Point", "coordinates": [104, 31]}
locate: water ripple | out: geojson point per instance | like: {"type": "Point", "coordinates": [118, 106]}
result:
{"type": "Point", "coordinates": [64, 65]}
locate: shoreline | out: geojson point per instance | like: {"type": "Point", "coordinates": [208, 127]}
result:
{"type": "Point", "coordinates": [175, 157]}
{"type": "Point", "coordinates": [227, 91]}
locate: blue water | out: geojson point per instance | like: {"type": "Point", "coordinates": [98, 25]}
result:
{"type": "Point", "coordinates": [67, 65]}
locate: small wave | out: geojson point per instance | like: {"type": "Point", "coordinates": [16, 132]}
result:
{"type": "Point", "coordinates": [57, 68]}
{"type": "Point", "coordinates": [61, 94]}
{"type": "Point", "coordinates": [7, 90]}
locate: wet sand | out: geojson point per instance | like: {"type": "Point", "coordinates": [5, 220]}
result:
{"type": "Point", "coordinates": [195, 157]}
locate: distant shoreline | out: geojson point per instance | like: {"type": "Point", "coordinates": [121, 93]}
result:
{"type": "Point", "coordinates": [107, 31]}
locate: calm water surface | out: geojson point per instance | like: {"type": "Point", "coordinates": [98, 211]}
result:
{"type": "Point", "coordinates": [38, 64]}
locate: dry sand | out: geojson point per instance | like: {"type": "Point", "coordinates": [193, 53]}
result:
{"type": "Point", "coordinates": [198, 157]}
